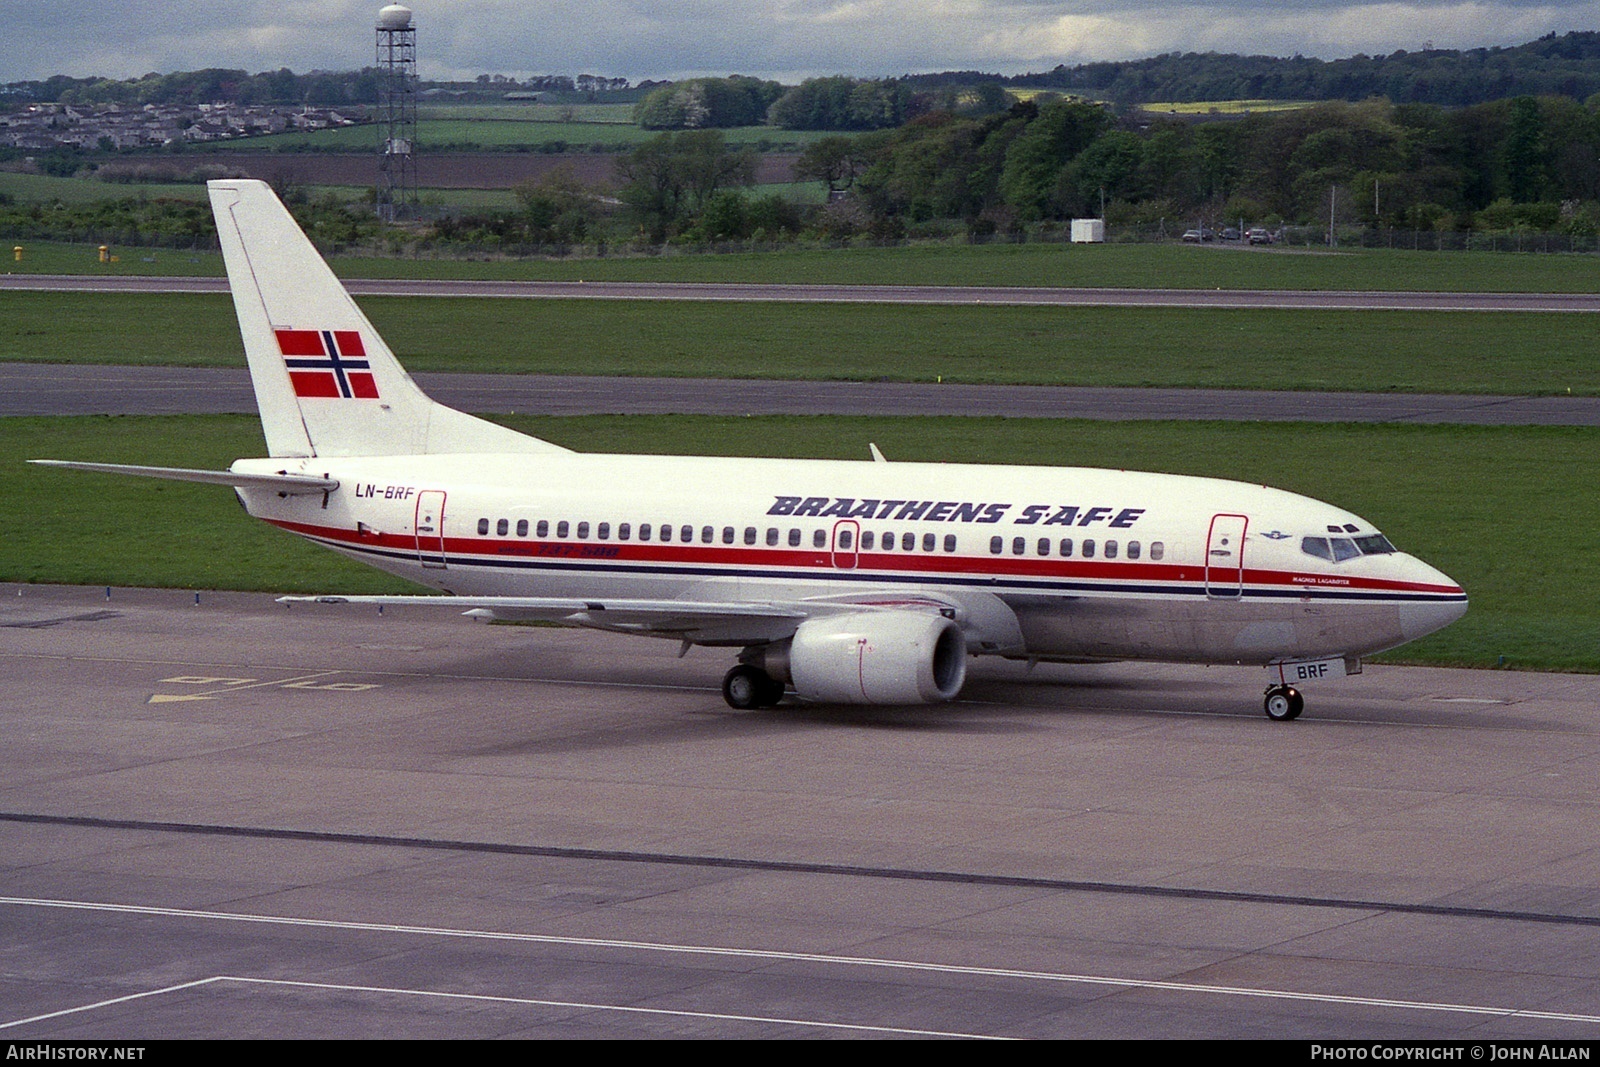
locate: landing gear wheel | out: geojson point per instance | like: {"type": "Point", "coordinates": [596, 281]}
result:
{"type": "Point", "coordinates": [746, 687]}
{"type": "Point", "coordinates": [1284, 703]}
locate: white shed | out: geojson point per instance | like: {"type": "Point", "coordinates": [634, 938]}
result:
{"type": "Point", "coordinates": [1088, 231]}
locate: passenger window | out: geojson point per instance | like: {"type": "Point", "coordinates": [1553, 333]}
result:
{"type": "Point", "coordinates": [888, 540]}
{"type": "Point", "coordinates": [844, 540]}
{"type": "Point", "coordinates": [1044, 546]}
{"type": "Point", "coordinates": [1088, 549]}
{"type": "Point", "coordinates": [928, 541]}
{"type": "Point", "coordinates": [819, 539]}
{"type": "Point", "coordinates": [686, 534]}
{"type": "Point", "coordinates": [1019, 545]}
{"type": "Point", "coordinates": [996, 544]}
{"type": "Point", "coordinates": [749, 535]}
{"type": "Point", "coordinates": [624, 531]}
{"type": "Point", "coordinates": [502, 528]}
{"type": "Point", "coordinates": [949, 542]}
{"type": "Point", "coordinates": [727, 535]}
{"type": "Point", "coordinates": [644, 531]}
{"type": "Point", "coordinates": [1133, 550]}
{"type": "Point", "coordinates": [1111, 550]}
{"type": "Point", "coordinates": [543, 529]}
{"type": "Point", "coordinates": [1157, 549]}
{"type": "Point", "coordinates": [483, 527]}
{"type": "Point", "coordinates": [908, 542]}
{"type": "Point", "coordinates": [604, 531]}
{"type": "Point", "coordinates": [866, 541]}
{"type": "Point", "coordinates": [1066, 546]}
{"type": "Point", "coordinates": [794, 538]}
{"type": "Point", "coordinates": [522, 527]}
{"type": "Point", "coordinates": [561, 529]}
{"type": "Point", "coordinates": [772, 535]}
{"type": "Point", "coordinates": [708, 534]}
{"type": "Point", "coordinates": [666, 531]}
{"type": "Point", "coordinates": [583, 531]}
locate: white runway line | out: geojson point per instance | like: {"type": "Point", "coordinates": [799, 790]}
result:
{"type": "Point", "coordinates": [777, 955]}
{"type": "Point", "coordinates": [490, 999]}
{"type": "Point", "coordinates": [108, 1003]}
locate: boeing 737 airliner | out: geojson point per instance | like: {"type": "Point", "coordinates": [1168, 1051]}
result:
{"type": "Point", "coordinates": [849, 582]}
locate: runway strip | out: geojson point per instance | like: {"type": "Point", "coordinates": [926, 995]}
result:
{"type": "Point", "coordinates": [71, 389]}
{"type": "Point", "coordinates": [844, 870]}
{"type": "Point", "coordinates": [859, 294]}
{"type": "Point", "coordinates": [765, 955]}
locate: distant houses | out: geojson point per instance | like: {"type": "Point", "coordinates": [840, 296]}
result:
{"type": "Point", "coordinates": [120, 126]}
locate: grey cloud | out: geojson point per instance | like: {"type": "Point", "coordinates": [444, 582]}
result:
{"type": "Point", "coordinates": [783, 38]}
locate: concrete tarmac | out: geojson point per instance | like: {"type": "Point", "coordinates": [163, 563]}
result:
{"type": "Point", "coordinates": [232, 819]}
{"type": "Point", "coordinates": [859, 294]}
{"type": "Point", "coordinates": [70, 389]}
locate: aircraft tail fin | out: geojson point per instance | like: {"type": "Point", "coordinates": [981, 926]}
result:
{"type": "Point", "coordinates": [325, 382]}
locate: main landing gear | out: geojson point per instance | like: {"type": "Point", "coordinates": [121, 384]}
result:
{"type": "Point", "coordinates": [746, 687]}
{"type": "Point", "coordinates": [1284, 703]}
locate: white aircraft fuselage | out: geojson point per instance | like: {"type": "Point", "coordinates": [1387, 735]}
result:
{"type": "Point", "coordinates": [1084, 563]}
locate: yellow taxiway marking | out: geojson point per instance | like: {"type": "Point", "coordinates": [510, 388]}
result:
{"type": "Point", "coordinates": [234, 685]}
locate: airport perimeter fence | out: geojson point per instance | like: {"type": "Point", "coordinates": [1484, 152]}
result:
{"type": "Point", "coordinates": [1374, 237]}
{"type": "Point", "coordinates": [1291, 237]}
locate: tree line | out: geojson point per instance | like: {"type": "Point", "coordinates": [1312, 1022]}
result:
{"type": "Point", "coordinates": [1529, 161]}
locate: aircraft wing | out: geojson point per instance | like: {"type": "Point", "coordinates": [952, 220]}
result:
{"type": "Point", "coordinates": [701, 622]}
{"type": "Point", "coordinates": [288, 484]}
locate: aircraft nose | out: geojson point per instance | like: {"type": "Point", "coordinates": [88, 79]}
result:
{"type": "Point", "coordinates": [1422, 618]}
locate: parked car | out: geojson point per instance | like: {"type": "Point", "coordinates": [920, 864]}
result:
{"type": "Point", "coordinates": [1258, 235]}
{"type": "Point", "coordinates": [1202, 234]}
{"type": "Point", "coordinates": [1230, 234]}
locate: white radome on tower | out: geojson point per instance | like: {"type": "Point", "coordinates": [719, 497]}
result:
{"type": "Point", "coordinates": [394, 17]}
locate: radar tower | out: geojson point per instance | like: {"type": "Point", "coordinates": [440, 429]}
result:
{"type": "Point", "coordinates": [397, 113]}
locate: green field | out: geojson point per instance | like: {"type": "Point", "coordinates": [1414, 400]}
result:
{"type": "Point", "coordinates": [1134, 266]}
{"type": "Point", "coordinates": [1495, 508]}
{"type": "Point", "coordinates": [605, 114]}
{"type": "Point", "coordinates": [1446, 352]}
{"type": "Point", "coordinates": [463, 134]}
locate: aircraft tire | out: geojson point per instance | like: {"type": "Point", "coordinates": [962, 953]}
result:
{"type": "Point", "coordinates": [745, 688]}
{"type": "Point", "coordinates": [1284, 703]}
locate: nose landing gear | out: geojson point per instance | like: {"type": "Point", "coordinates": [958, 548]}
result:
{"type": "Point", "coordinates": [1284, 703]}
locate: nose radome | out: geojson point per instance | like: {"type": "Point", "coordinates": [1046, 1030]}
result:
{"type": "Point", "coordinates": [1420, 619]}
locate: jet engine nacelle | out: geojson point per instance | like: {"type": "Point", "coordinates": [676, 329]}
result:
{"type": "Point", "coordinates": [878, 657]}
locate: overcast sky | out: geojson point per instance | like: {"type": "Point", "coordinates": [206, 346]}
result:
{"type": "Point", "coordinates": [783, 39]}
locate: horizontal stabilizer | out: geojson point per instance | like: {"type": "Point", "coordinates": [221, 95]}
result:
{"type": "Point", "coordinates": [291, 484]}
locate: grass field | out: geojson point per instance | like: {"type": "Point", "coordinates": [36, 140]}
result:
{"type": "Point", "coordinates": [462, 134]}
{"type": "Point", "coordinates": [1495, 508]}
{"type": "Point", "coordinates": [1225, 107]}
{"type": "Point", "coordinates": [1137, 266]}
{"type": "Point", "coordinates": [1447, 352]}
{"type": "Point", "coordinates": [606, 114]}
{"type": "Point", "coordinates": [34, 188]}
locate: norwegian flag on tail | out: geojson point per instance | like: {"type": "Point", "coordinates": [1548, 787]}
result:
{"type": "Point", "coordinates": [327, 363]}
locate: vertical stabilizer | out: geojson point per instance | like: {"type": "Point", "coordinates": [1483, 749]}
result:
{"type": "Point", "coordinates": [325, 382]}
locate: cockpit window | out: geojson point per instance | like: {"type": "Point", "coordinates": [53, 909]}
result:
{"type": "Point", "coordinates": [1339, 549]}
{"type": "Point", "coordinates": [1316, 546]}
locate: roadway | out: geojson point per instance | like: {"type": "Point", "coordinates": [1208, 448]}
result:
{"type": "Point", "coordinates": [228, 818]}
{"type": "Point", "coordinates": [836, 294]}
{"type": "Point", "coordinates": [62, 389]}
